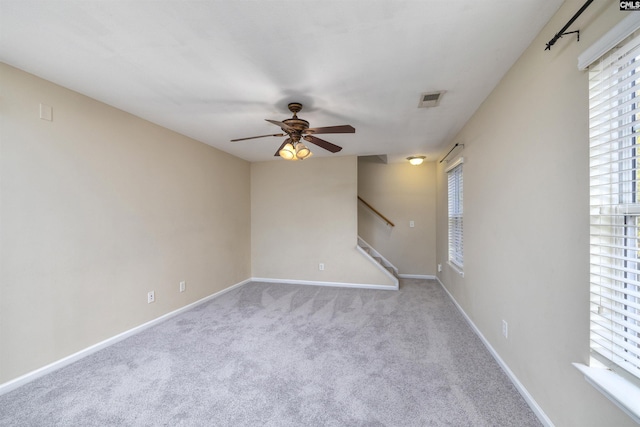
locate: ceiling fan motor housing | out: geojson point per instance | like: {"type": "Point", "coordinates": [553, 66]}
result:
{"type": "Point", "coordinates": [298, 124]}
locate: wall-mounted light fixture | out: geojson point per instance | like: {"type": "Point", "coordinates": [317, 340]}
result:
{"type": "Point", "coordinates": [416, 160]}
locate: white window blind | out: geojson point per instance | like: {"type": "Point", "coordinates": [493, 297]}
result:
{"type": "Point", "coordinates": [614, 123]}
{"type": "Point", "coordinates": [454, 177]}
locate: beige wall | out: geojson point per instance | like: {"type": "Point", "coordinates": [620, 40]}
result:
{"type": "Point", "coordinates": [402, 193]}
{"type": "Point", "coordinates": [99, 207]}
{"type": "Point", "coordinates": [305, 213]}
{"type": "Point", "coordinates": [526, 221]}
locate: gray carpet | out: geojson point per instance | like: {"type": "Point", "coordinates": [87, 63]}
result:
{"type": "Point", "coordinates": [286, 355]}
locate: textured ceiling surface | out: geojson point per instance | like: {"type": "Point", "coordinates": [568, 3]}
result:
{"type": "Point", "coordinates": [215, 70]}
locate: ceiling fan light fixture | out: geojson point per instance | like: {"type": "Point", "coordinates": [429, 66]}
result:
{"type": "Point", "coordinates": [302, 152]}
{"type": "Point", "coordinates": [287, 152]}
{"type": "Point", "coordinates": [416, 160]}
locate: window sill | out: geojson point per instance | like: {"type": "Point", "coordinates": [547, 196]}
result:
{"type": "Point", "coordinates": [456, 269]}
{"type": "Point", "coordinates": [617, 389]}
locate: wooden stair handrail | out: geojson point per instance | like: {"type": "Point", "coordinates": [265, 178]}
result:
{"type": "Point", "coordinates": [376, 212]}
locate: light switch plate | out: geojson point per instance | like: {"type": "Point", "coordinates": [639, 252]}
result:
{"type": "Point", "coordinates": [46, 112]}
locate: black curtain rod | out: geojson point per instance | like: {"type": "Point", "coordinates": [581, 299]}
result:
{"type": "Point", "coordinates": [562, 31]}
{"type": "Point", "coordinates": [453, 148]}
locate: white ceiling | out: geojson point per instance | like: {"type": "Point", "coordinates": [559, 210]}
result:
{"type": "Point", "coordinates": [214, 70]}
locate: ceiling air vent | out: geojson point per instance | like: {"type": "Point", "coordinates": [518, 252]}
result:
{"type": "Point", "coordinates": [430, 99]}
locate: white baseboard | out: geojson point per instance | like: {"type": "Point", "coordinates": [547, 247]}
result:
{"type": "Point", "coordinates": [33, 375]}
{"type": "Point", "coordinates": [523, 391]}
{"type": "Point", "coordinates": [417, 276]}
{"type": "Point", "coordinates": [331, 284]}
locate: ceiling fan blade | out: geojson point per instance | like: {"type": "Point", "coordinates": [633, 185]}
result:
{"type": "Point", "coordinates": [254, 137]}
{"type": "Point", "coordinates": [322, 143]}
{"type": "Point", "coordinates": [331, 129]}
{"type": "Point", "coordinates": [281, 147]}
{"type": "Point", "coordinates": [285, 127]}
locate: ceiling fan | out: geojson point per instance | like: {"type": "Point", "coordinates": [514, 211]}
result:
{"type": "Point", "coordinates": [296, 129]}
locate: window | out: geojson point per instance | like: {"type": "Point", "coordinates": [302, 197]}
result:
{"type": "Point", "coordinates": [614, 126]}
{"type": "Point", "coordinates": [454, 178]}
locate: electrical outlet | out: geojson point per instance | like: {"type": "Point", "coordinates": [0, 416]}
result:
{"type": "Point", "coordinates": [439, 268]}
{"type": "Point", "coordinates": [505, 329]}
{"type": "Point", "coordinates": [183, 286]}
{"type": "Point", "coordinates": [412, 224]}
{"type": "Point", "coordinates": [321, 266]}
{"type": "Point", "coordinates": [151, 297]}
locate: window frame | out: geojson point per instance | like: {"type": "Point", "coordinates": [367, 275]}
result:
{"type": "Point", "coordinates": [620, 211]}
{"type": "Point", "coordinates": [614, 117]}
{"type": "Point", "coordinates": [455, 215]}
